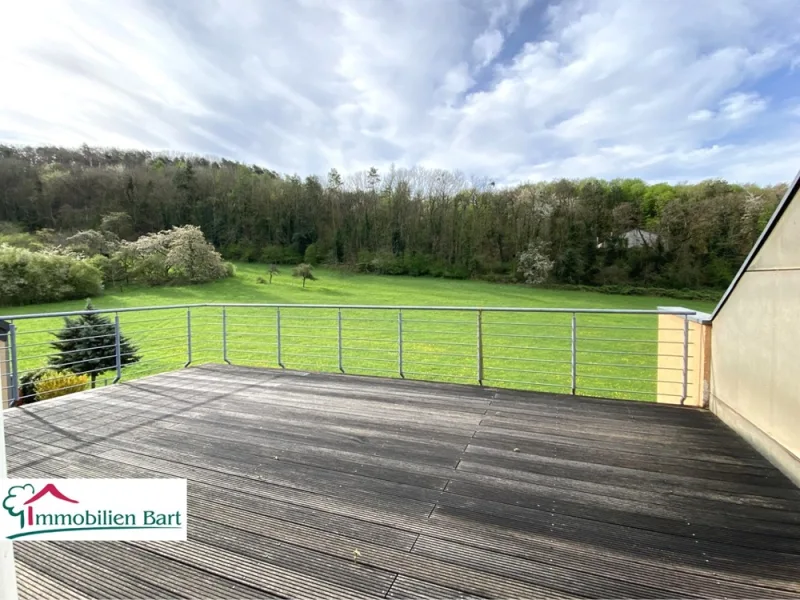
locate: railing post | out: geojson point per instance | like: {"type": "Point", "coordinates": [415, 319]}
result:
{"type": "Point", "coordinates": [117, 351]}
{"type": "Point", "coordinates": [14, 374]}
{"type": "Point", "coordinates": [278, 325]}
{"type": "Point", "coordinates": [480, 347]}
{"type": "Point", "coordinates": [225, 336]}
{"type": "Point", "coordinates": [339, 323]}
{"type": "Point", "coordinates": [574, 348]}
{"type": "Point", "coordinates": [188, 337]}
{"type": "Point", "coordinates": [685, 391]}
{"type": "Point", "coordinates": [400, 343]}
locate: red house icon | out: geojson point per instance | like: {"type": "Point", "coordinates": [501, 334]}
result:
{"type": "Point", "coordinates": [48, 489]}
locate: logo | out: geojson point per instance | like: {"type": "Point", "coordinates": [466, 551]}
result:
{"type": "Point", "coordinates": [93, 509]}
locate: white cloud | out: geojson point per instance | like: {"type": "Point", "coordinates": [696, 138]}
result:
{"type": "Point", "coordinates": [661, 90]}
{"type": "Point", "coordinates": [741, 106]}
{"type": "Point", "coordinates": [701, 115]}
{"type": "Point", "coordinates": [486, 46]}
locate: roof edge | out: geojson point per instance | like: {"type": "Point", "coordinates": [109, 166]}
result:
{"type": "Point", "coordinates": [791, 192]}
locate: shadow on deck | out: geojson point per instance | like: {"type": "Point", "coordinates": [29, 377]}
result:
{"type": "Point", "coordinates": [446, 491]}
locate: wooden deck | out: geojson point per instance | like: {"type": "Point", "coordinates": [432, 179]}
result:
{"type": "Point", "coordinates": [446, 491]}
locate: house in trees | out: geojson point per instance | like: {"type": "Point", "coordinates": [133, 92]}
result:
{"type": "Point", "coordinates": [636, 238]}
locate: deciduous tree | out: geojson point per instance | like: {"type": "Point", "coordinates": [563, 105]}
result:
{"type": "Point", "coordinates": [304, 271]}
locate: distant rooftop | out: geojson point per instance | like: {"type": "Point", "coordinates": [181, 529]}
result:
{"type": "Point", "coordinates": [639, 237]}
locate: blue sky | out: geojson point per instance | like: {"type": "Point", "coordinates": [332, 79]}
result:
{"type": "Point", "coordinates": [512, 90]}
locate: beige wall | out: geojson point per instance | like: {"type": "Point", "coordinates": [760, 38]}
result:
{"type": "Point", "coordinates": [755, 363]}
{"type": "Point", "coordinates": [670, 359]}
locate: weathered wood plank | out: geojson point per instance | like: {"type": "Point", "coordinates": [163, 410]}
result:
{"type": "Point", "coordinates": [408, 588]}
{"type": "Point", "coordinates": [289, 474]}
{"type": "Point", "coordinates": [32, 584]}
{"type": "Point", "coordinates": [602, 549]}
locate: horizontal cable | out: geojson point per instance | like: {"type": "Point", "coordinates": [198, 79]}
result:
{"type": "Point", "coordinates": [373, 370]}
{"type": "Point", "coordinates": [407, 331]}
{"type": "Point", "coordinates": [361, 348]}
{"type": "Point", "coordinates": [57, 341]}
{"type": "Point", "coordinates": [590, 339]}
{"type": "Point", "coordinates": [305, 335]}
{"type": "Point", "coordinates": [61, 352]}
{"type": "Point", "coordinates": [540, 349]}
{"type": "Point", "coordinates": [417, 363]}
{"type": "Point", "coordinates": [528, 337]}
{"type": "Point", "coordinates": [527, 383]}
{"type": "Point", "coordinates": [537, 360]}
{"type": "Point", "coordinates": [347, 338]}
{"type": "Point", "coordinates": [447, 322]}
{"type": "Point", "coordinates": [171, 355]}
{"type": "Point", "coordinates": [409, 353]}
{"type": "Point", "coordinates": [269, 316]}
{"type": "Point", "coordinates": [387, 321]}
{"type": "Point", "coordinates": [635, 392]}
{"type": "Point", "coordinates": [619, 365]}
{"type": "Point", "coordinates": [250, 333]}
{"type": "Point", "coordinates": [289, 318]}
{"type": "Point", "coordinates": [168, 359]}
{"type": "Point", "coordinates": [373, 359]}
{"type": "Point", "coordinates": [175, 317]}
{"type": "Point", "coordinates": [371, 329]}
{"type": "Point", "coordinates": [407, 343]}
{"type": "Point", "coordinates": [264, 352]}
{"type": "Point", "coordinates": [52, 329]}
{"type": "Point", "coordinates": [285, 355]}
{"type": "Point", "coordinates": [332, 328]}
{"type": "Point", "coordinates": [590, 376]}
{"type": "Point", "coordinates": [580, 325]}
{"type": "Point", "coordinates": [63, 366]}
{"type": "Point", "coordinates": [157, 349]}
{"type": "Point", "coordinates": [487, 323]}
{"type": "Point", "coordinates": [532, 372]}
{"type": "Point", "coordinates": [158, 330]}
{"type": "Point", "coordinates": [312, 367]}
{"type": "Point", "coordinates": [446, 377]}
{"type": "Point", "coordinates": [182, 338]}
{"type": "Point", "coordinates": [153, 369]}
{"type": "Point", "coordinates": [621, 353]}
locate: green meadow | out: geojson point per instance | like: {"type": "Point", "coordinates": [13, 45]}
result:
{"type": "Point", "coordinates": [616, 354]}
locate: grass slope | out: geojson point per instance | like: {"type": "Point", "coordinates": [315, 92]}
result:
{"type": "Point", "coordinates": [616, 353]}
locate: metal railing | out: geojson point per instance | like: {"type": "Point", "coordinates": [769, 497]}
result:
{"type": "Point", "coordinates": [597, 352]}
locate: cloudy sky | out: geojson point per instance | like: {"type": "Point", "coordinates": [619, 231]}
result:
{"type": "Point", "coordinates": [509, 89]}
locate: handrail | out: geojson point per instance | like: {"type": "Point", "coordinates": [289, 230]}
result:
{"type": "Point", "coordinates": [482, 348]}
{"type": "Point", "coordinates": [497, 309]}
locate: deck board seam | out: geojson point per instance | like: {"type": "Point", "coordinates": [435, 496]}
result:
{"type": "Point", "coordinates": [445, 528]}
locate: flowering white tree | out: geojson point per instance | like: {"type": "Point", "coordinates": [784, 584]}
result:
{"type": "Point", "coordinates": [534, 264]}
{"type": "Point", "coordinates": [180, 253]}
{"type": "Point", "coordinates": [192, 257]}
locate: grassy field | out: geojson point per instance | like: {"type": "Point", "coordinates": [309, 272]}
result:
{"type": "Point", "coordinates": [615, 353]}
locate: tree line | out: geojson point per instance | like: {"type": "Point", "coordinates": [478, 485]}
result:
{"type": "Point", "coordinates": [401, 221]}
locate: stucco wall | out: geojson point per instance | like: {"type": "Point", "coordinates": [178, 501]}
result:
{"type": "Point", "coordinates": [755, 362]}
{"type": "Point", "coordinates": [670, 358]}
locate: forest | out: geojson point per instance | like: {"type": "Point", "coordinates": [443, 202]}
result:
{"type": "Point", "coordinates": [414, 221]}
